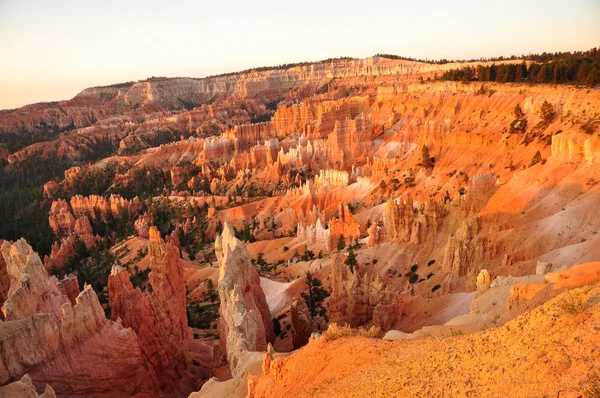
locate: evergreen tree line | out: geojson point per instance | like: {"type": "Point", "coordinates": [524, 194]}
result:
{"type": "Point", "coordinates": [576, 68]}
{"type": "Point", "coordinates": [543, 57]}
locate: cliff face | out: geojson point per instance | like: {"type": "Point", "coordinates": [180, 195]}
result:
{"type": "Point", "coordinates": [158, 318]}
{"type": "Point", "coordinates": [464, 250]}
{"type": "Point", "coordinates": [71, 347]}
{"type": "Point", "coordinates": [245, 324]}
{"type": "Point", "coordinates": [357, 299]}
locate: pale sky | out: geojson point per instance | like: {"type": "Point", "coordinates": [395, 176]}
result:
{"type": "Point", "coordinates": [52, 49]}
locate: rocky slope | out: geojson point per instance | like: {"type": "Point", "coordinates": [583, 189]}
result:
{"type": "Point", "coordinates": [559, 337]}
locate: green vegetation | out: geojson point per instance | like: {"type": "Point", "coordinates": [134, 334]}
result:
{"type": "Point", "coordinates": [276, 327]}
{"type": "Point", "coordinates": [307, 255]}
{"type": "Point", "coordinates": [351, 260]}
{"type": "Point", "coordinates": [315, 295]}
{"type": "Point", "coordinates": [341, 243]}
{"type": "Point", "coordinates": [245, 234]}
{"type": "Point", "coordinates": [426, 160]}
{"type": "Point", "coordinates": [211, 293]}
{"type": "Point", "coordinates": [139, 278]}
{"type": "Point", "coordinates": [202, 316]}
{"type": "Point", "coordinates": [592, 388]}
{"type": "Point", "coordinates": [262, 266]}
{"type": "Point", "coordinates": [92, 266]}
{"type": "Point", "coordinates": [579, 67]}
{"type": "Point", "coordinates": [547, 112]}
{"type": "Point", "coordinates": [537, 158]}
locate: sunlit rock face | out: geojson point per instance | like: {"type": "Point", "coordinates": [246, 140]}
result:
{"type": "Point", "coordinates": [158, 317]}
{"type": "Point", "coordinates": [73, 348]}
{"type": "Point", "coordinates": [245, 324]}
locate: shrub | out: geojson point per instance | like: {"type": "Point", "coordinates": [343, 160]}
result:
{"type": "Point", "coordinates": [413, 278]}
{"type": "Point", "coordinates": [570, 305]}
{"type": "Point", "coordinates": [537, 158]}
{"type": "Point", "coordinates": [414, 267]}
{"type": "Point", "coordinates": [335, 331]}
{"type": "Point", "coordinates": [436, 287]}
{"type": "Point", "coordinates": [276, 327]}
{"type": "Point", "coordinates": [430, 263]}
{"type": "Point", "coordinates": [341, 243]}
{"type": "Point", "coordinates": [592, 388]}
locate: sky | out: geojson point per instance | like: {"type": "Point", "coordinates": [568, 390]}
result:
{"type": "Point", "coordinates": [51, 50]}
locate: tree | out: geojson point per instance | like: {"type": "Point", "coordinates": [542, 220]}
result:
{"type": "Point", "coordinates": [426, 160]}
{"type": "Point", "coordinates": [276, 327]}
{"type": "Point", "coordinates": [315, 295]}
{"type": "Point", "coordinates": [211, 293]}
{"type": "Point", "coordinates": [341, 243]}
{"type": "Point", "coordinates": [351, 260]}
{"type": "Point", "coordinates": [518, 111]}
{"type": "Point", "coordinates": [547, 112]}
{"type": "Point", "coordinates": [537, 158]}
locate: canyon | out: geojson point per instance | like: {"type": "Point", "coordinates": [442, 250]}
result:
{"type": "Point", "coordinates": [350, 227]}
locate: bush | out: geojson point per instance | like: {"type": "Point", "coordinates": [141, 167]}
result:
{"type": "Point", "coordinates": [570, 305]}
{"type": "Point", "coordinates": [335, 331]}
{"type": "Point", "coordinates": [414, 267]}
{"type": "Point", "coordinates": [341, 243]}
{"type": "Point", "coordinates": [436, 287]}
{"type": "Point", "coordinates": [276, 327]}
{"type": "Point", "coordinates": [413, 278]}
{"type": "Point", "coordinates": [593, 386]}
{"type": "Point", "coordinates": [537, 158]}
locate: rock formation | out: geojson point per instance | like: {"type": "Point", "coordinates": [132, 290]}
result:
{"type": "Point", "coordinates": [404, 223]}
{"type": "Point", "coordinates": [142, 225]}
{"type": "Point", "coordinates": [24, 388]}
{"type": "Point", "coordinates": [158, 318]}
{"type": "Point", "coordinates": [357, 299]}
{"type": "Point", "coordinates": [464, 250]}
{"type": "Point", "coordinates": [345, 225]}
{"type": "Point", "coordinates": [483, 281]}
{"type": "Point", "coordinates": [302, 322]}
{"type": "Point", "coordinates": [71, 347]}
{"type": "Point", "coordinates": [61, 218]}
{"type": "Point", "coordinates": [61, 252]}
{"type": "Point", "coordinates": [542, 268]}
{"type": "Point", "coordinates": [89, 205]}
{"type": "Point", "coordinates": [245, 324]}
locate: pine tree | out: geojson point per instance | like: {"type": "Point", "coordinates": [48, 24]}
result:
{"type": "Point", "coordinates": [547, 112]}
{"type": "Point", "coordinates": [315, 295]}
{"type": "Point", "coordinates": [351, 260]}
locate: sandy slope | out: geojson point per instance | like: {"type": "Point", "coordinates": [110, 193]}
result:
{"type": "Point", "coordinates": [561, 338]}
